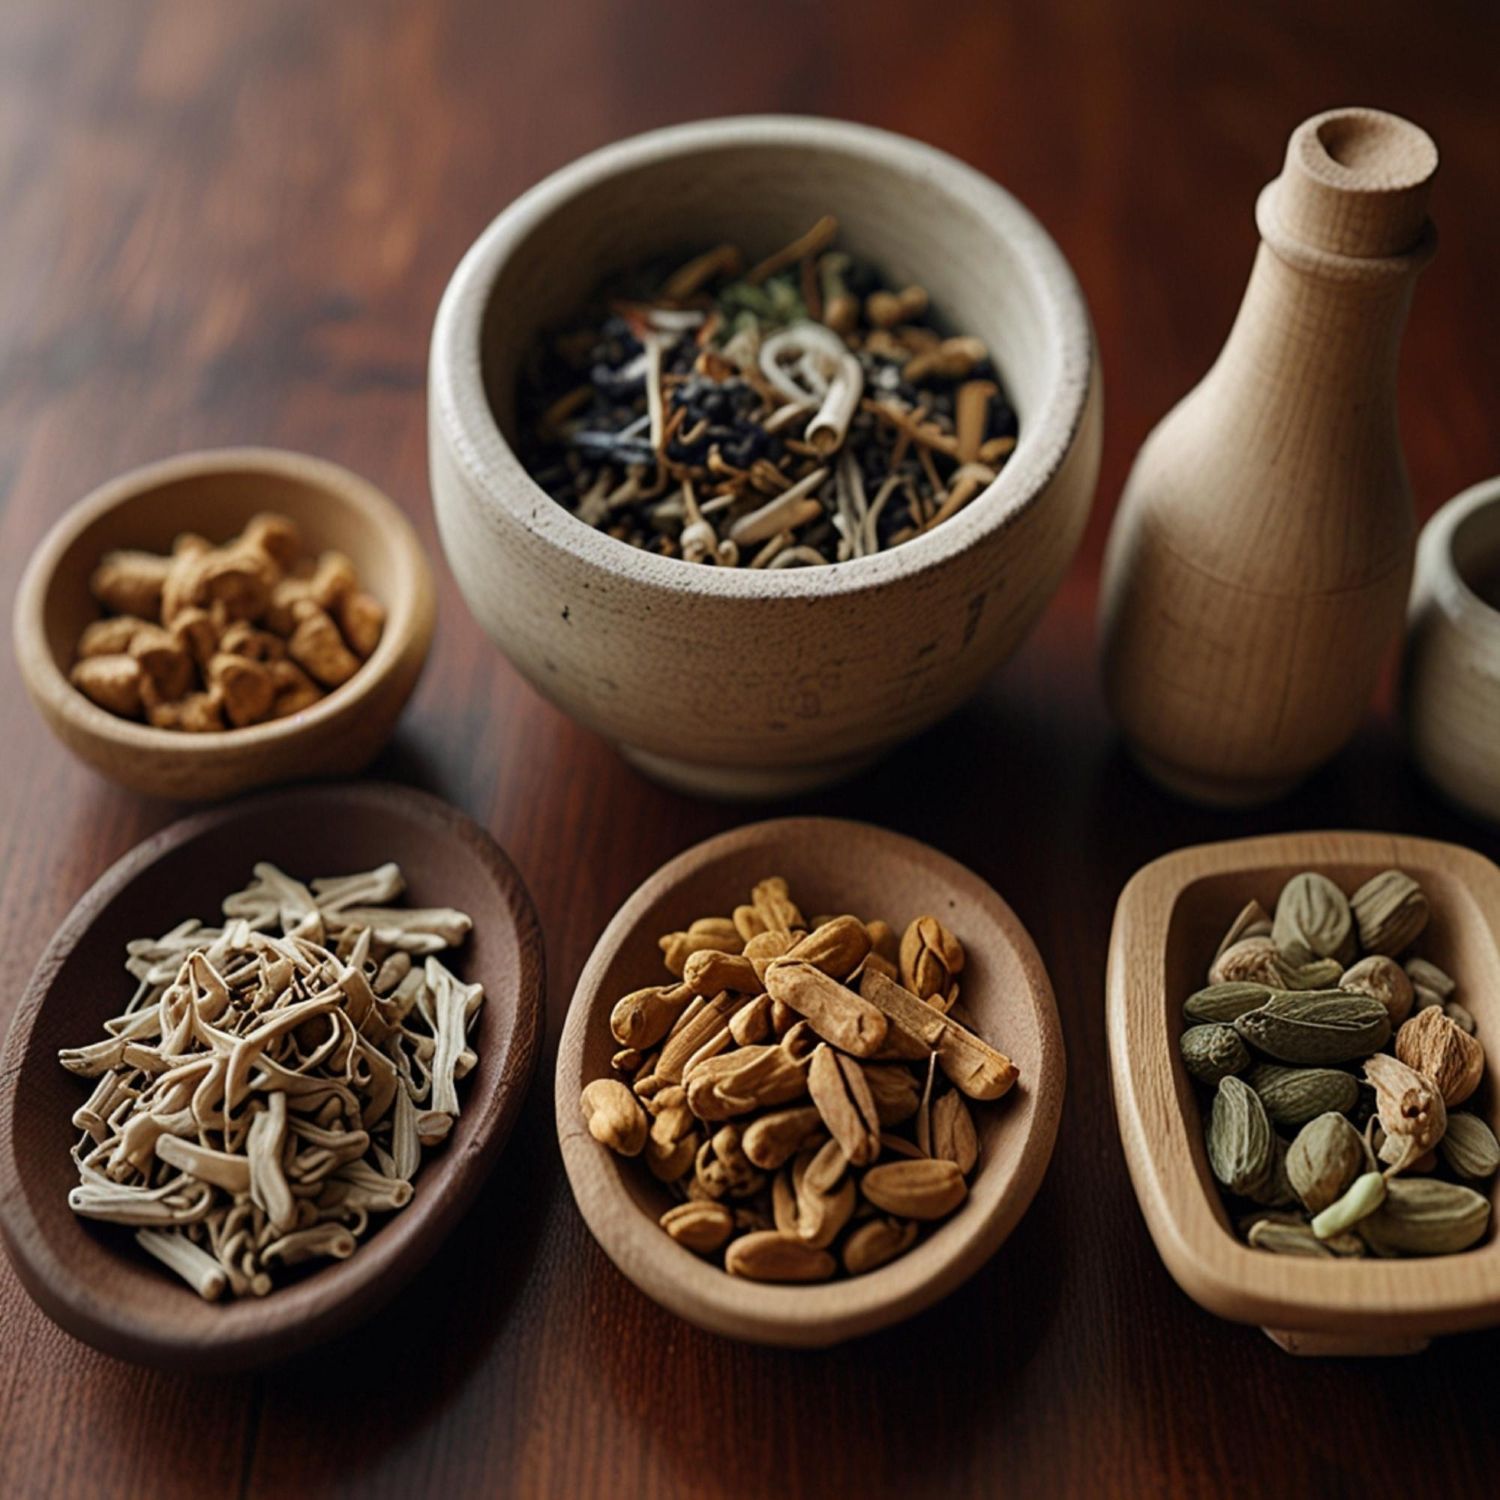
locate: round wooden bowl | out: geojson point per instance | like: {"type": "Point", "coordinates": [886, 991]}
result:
{"type": "Point", "coordinates": [832, 865]}
{"type": "Point", "coordinates": [1450, 686]}
{"type": "Point", "coordinates": [91, 1278]}
{"type": "Point", "coordinates": [214, 494]}
{"type": "Point", "coordinates": [731, 681]}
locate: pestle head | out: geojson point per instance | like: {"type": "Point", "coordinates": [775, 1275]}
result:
{"type": "Point", "coordinates": [1356, 183]}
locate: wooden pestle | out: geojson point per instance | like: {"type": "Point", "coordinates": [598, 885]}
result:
{"type": "Point", "coordinates": [1258, 567]}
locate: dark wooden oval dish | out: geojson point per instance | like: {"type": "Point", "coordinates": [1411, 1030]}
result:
{"type": "Point", "coordinates": [90, 1278]}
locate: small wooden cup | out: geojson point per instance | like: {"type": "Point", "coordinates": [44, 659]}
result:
{"type": "Point", "coordinates": [1168, 923]}
{"type": "Point", "coordinates": [1450, 686]}
{"type": "Point", "coordinates": [832, 866]}
{"type": "Point", "coordinates": [215, 494]}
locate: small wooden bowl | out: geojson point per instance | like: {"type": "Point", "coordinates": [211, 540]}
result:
{"type": "Point", "coordinates": [834, 866]}
{"type": "Point", "coordinates": [214, 494]}
{"type": "Point", "coordinates": [91, 1278]}
{"type": "Point", "coordinates": [815, 671]}
{"type": "Point", "coordinates": [1169, 921]}
{"type": "Point", "coordinates": [1450, 686]}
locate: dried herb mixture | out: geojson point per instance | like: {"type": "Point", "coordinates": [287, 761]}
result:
{"type": "Point", "coordinates": [795, 412]}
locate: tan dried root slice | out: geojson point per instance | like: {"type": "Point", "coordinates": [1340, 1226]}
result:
{"type": "Point", "coordinates": [262, 1095]}
{"type": "Point", "coordinates": [971, 1063]}
{"type": "Point", "coordinates": [789, 1091]}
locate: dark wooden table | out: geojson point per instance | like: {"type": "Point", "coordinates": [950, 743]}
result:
{"type": "Point", "coordinates": [230, 222]}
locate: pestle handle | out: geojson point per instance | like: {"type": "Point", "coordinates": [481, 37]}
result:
{"type": "Point", "coordinates": [1356, 183]}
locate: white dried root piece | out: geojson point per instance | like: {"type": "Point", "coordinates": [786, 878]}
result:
{"type": "Point", "coordinates": [273, 1082]}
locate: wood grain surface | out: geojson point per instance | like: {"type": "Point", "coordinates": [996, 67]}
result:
{"type": "Point", "coordinates": [231, 223]}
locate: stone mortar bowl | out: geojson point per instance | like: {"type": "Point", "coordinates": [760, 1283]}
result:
{"type": "Point", "coordinates": [726, 681]}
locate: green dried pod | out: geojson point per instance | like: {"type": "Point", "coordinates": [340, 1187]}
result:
{"type": "Point", "coordinates": [1390, 911]}
{"type": "Point", "coordinates": [1324, 1160]}
{"type": "Point", "coordinates": [1469, 1147]}
{"type": "Point", "coordinates": [1293, 1096]}
{"type": "Point", "coordinates": [1225, 1002]}
{"type": "Point", "coordinates": [1277, 1190]}
{"type": "Point", "coordinates": [1424, 1216]}
{"type": "Point", "coordinates": [1213, 1052]}
{"type": "Point", "coordinates": [1364, 1195]}
{"type": "Point", "coordinates": [1240, 1141]}
{"type": "Point", "coordinates": [1316, 1026]}
{"type": "Point", "coordinates": [1316, 974]}
{"type": "Point", "coordinates": [1313, 921]}
{"type": "Point", "coordinates": [1288, 1239]}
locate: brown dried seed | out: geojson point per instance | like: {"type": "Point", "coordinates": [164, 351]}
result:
{"type": "Point", "coordinates": [884, 941]}
{"type": "Point", "coordinates": [614, 1116]}
{"type": "Point", "coordinates": [775, 1138]}
{"type": "Point", "coordinates": [1442, 1052]}
{"type": "Point", "coordinates": [834, 1011]}
{"type": "Point", "coordinates": [930, 956]}
{"type": "Point", "coordinates": [702, 1227]}
{"type": "Point", "coordinates": [876, 1242]}
{"type": "Point", "coordinates": [894, 1090]}
{"type": "Point", "coordinates": [768, 1255]}
{"type": "Point", "coordinates": [708, 934]}
{"type": "Point", "coordinates": [926, 1189]}
{"type": "Point", "coordinates": [838, 1088]}
{"type": "Point", "coordinates": [670, 1163]}
{"type": "Point", "coordinates": [644, 1017]}
{"type": "Point", "coordinates": [773, 902]}
{"type": "Point", "coordinates": [708, 972]}
{"type": "Point", "coordinates": [823, 1208]}
{"type": "Point", "coordinates": [753, 1023]}
{"type": "Point", "coordinates": [747, 923]}
{"type": "Point", "coordinates": [747, 1078]}
{"type": "Point", "coordinates": [837, 947]}
{"type": "Point", "coordinates": [898, 1145]}
{"type": "Point", "coordinates": [953, 1135]}
{"type": "Point", "coordinates": [691, 1033]}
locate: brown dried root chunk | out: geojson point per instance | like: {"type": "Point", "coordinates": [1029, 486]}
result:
{"type": "Point", "coordinates": [318, 648]}
{"type": "Point", "coordinates": [113, 682]}
{"type": "Point", "coordinates": [257, 1101]}
{"type": "Point", "coordinates": [788, 1090]}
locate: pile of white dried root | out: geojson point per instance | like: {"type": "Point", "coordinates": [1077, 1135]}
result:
{"type": "Point", "coordinates": [273, 1081]}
